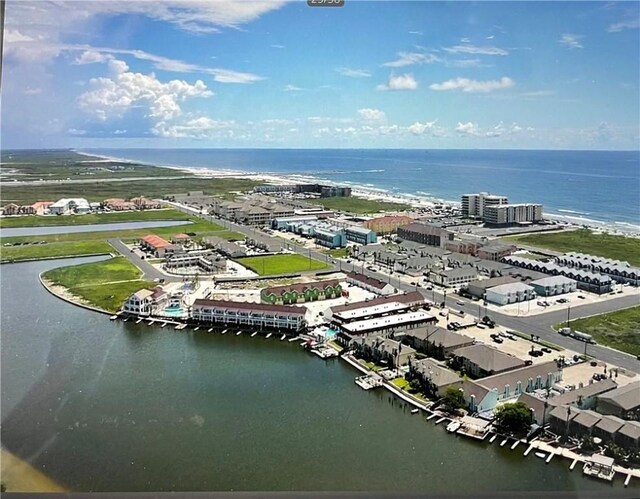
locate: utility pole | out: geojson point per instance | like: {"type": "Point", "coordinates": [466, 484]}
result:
{"type": "Point", "coordinates": [568, 316]}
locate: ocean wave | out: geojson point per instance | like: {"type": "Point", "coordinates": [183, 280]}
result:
{"type": "Point", "coordinates": [574, 212]}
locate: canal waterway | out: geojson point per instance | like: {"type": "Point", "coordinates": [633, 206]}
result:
{"type": "Point", "coordinates": [66, 229]}
{"type": "Point", "coordinates": [113, 406]}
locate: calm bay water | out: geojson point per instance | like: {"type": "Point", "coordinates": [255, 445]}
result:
{"type": "Point", "coordinates": [66, 229]}
{"type": "Point", "coordinates": [108, 406]}
{"type": "Point", "coordinates": [591, 185]}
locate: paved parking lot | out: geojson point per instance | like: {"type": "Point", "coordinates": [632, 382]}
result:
{"type": "Point", "coordinates": [583, 372]}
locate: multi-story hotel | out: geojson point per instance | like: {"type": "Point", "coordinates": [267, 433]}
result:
{"type": "Point", "coordinates": [506, 214]}
{"type": "Point", "coordinates": [473, 205]}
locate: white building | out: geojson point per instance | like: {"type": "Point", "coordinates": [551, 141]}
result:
{"type": "Point", "coordinates": [145, 301]}
{"type": "Point", "coordinates": [510, 293]}
{"type": "Point", "coordinates": [454, 277]}
{"type": "Point", "coordinates": [554, 285]}
{"type": "Point", "coordinates": [370, 284]}
{"type": "Point", "coordinates": [505, 214]}
{"type": "Point", "coordinates": [473, 205]}
{"type": "Point", "coordinates": [66, 205]}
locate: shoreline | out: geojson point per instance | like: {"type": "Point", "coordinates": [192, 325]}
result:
{"type": "Point", "coordinates": [572, 218]}
{"type": "Point", "coordinates": [21, 476]}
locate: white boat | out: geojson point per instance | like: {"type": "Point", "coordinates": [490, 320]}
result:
{"type": "Point", "coordinates": [453, 426]}
{"type": "Point", "coordinates": [415, 411]}
{"type": "Point", "coordinates": [541, 455]}
{"type": "Point", "coordinates": [113, 317]}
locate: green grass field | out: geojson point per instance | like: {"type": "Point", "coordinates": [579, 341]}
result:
{"type": "Point", "coordinates": [619, 330]}
{"type": "Point", "coordinates": [281, 264]}
{"type": "Point", "coordinates": [585, 241]}
{"type": "Point", "coordinates": [52, 250]}
{"type": "Point", "coordinates": [90, 219]}
{"type": "Point", "coordinates": [99, 191]}
{"type": "Point", "coordinates": [359, 205]}
{"type": "Point", "coordinates": [103, 284]}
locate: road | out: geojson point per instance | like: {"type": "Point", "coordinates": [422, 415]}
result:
{"type": "Point", "coordinates": [150, 273]}
{"type": "Point", "coordinates": [538, 325]}
{"type": "Point", "coordinates": [91, 181]}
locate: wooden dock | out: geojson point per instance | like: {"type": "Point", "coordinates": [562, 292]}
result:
{"type": "Point", "coordinates": [515, 444]}
{"type": "Point", "coordinates": [433, 415]}
{"type": "Point", "coordinates": [238, 333]}
{"type": "Point", "coordinates": [224, 331]}
{"type": "Point", "coordinates": [209, 330]}
{"type": "Point", "coordinates": [493, 438]}
{"type": "Point", "coordinates": [440, 420]}
{"type": "Point", "coordinates": [502, 444]}
{"type": "Point", "coordinates": [573, 464]}
{"type": "Point", "coordinates": [269, 335]}
{"type": "Point", "coordinates": [283, 337]}
{"type": "Point", "coordinates": [138, 321]}
{"type": "Point", "coordinates": [196, 328]}
{"type": "Point", "coordinates": [551, 454]}
{"type": "Point", "coordinates": [627, 480]}
{"type": "Point", "coordinates": [254, 333]}
{"type": "Point", "coordinates": [529, 449]}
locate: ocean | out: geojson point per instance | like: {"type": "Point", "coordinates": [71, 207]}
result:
{"type": "Point", "coordinates": [582, 186]}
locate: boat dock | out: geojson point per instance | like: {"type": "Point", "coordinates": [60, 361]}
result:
{"type": "Point", "coordinates": [573, 464]}
{"type": "Point", "coordinates": [209, 330]}
{"type": "Point", "coordinates": [196, 328]}
{"type": "Point", "coordinates": [325, 352]}
{"type": "Point", "coordinates": [238, 333]}
{"type": "Point", "coordinates": [138, 321]}
{"type": "Point", "coordinates": [551, 454]}
{"type": "Point", "coordinates": [164, 324]}
{"type": "Point", "coordinates": [441, 420]}
{"type": "Point", "coordinates": [493, 438]}
{"type": "Point", "coordinates": [283, 337]}
{"type": "Point", "coordinates": [254, 333]}
{"type": "Point", "coordinates": [224, 331]}
{"type": "Point", "coordinates": [515, 444]}
{"type": "Point", "coordinates": [433, 415]}
{"type": "Point", "coordinates": [502, 444]}
{"type": "Point", "coordinates": [180, 326]}
{"type": "Point", "coordinates": [368, 382]}
{"type": "Point", "coordinates": [529, 449]}
{"type": "Point", "coordinates": [269, 335]}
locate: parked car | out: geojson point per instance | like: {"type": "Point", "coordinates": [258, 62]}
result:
{"type": "Point", "coordinates": [546, 350]}
{"type": "Point", "coordinates": [581, 297]}
{"type": "Point", "coordinates": [461, 303]}
{"type": "Point", "coordinates": [498, 340]}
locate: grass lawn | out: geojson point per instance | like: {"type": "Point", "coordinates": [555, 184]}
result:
{"type": "Point", "coordinates": [103, 284]}
{"type": "Point", "coordinates": [281, 264]}
{"type": "Point", "coordinates": [103, 218]}
{"type": "Point", "coordinates": [338, 252]}
{"type": "Point", "coordinates": [108, 271]}
{"type": "Point", "coordinates": [585, 241]}
{"type": "Point", "coordinates": [619, 330]}
{"type": "Point", "coordinates": [37, 251]}
{"type": "Point", "coordinates": [359, 205]}
{"type": "Point", "coordinates": [371, 365]}
{"type": "Point", "coordinates": [400, 383]}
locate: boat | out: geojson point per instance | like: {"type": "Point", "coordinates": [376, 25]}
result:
{"type": "Point", "coordinates": [453, 426]}
{"type": "Point", "coordinates": [541, 455]}
{"type": "Point", "coordinates": [415, 411]}
{"type": "Point", "coordinates": [113, 317]}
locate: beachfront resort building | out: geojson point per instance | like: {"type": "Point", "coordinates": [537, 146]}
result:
{"type": "Point", "coordinates": [473, 205]}
{"type": "Point", "coordinates": [224, 247]}
{"type": "Point", "coordinates": [302, 292]}
{"type": "Point", "coordinates": [512, 214]}
{"type": "Point", "coordinates": [430, 235]}
{"type": "Point", "coordinates": [619, 271]}
{"type": "Point", "coordinates": [370, 284]}
{"type": "Point", "coordinates": [254, 315]}
{"type": "Point", "coordinates": [383, 351]}
{"type": "Point", "coordinates": [146, 302]}
{"type": "Point", "coordinates": [195, 261]}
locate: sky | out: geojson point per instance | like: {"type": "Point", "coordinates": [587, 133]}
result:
{"type": "Point", "coordinates": [370, 74]}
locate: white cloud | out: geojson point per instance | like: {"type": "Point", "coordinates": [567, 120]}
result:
{"type": "Point", "coordinates": [473, 49]}
{"type": "Point", "coordinates": [418, 33]}
{"type": "Point", "coordinates": [474, 86]}
{"type": "Point", "coordinates": [317, 120]}
{"type": "Point", "coordinates": [91, 57]}
{"type": "Point", "coordinates": [538, 93]}
{"type": "Point", "coordinates": [354, 73]}
{"type": "Point", "coordinates": [411, 58]}
{"type": "Point", "coordinates": [631, 23]}
{"type": "Point", "coordinates": [467, 63]}
{"type": "Point", "coordinates": [76, 132]}
{"type": "Point", "coordinates": [277, 121]}
{"type": "Point", "coordinates": [370, 114]}
{"type": "Point", "coordinates": [113, 97]}
{"type": "Point", "coordinates": [15, 36]}
{"type": "Point", "coordinates": [571, 41]}
{"type": "Point", "coordinates": [194, 128]}
{"type": "Point", "coordinates": [277, 46]}
{"type": "Point", "coordinates": [400, 82]}
{"type": "Point", "coordinates": [291, 88]}
{"type": "Point", "coordinates": [468, 128]}
{"type": "Point", "coordinates": [32, 91]}
{"type": "Point", "coordinates": [420, 128]}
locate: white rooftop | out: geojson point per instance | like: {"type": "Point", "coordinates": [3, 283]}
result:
{"type": "Point", "coordinates": [554, 280]}
{"type": "Point", "coordinates": [388, 321]}
{"type": "Point", "coordinates": [371, 310]}
{"type": "Point", "coordinates": [513, 287]}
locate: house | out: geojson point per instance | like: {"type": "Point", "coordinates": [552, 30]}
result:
{"type": "Point", "coordinates": [482, 360]}
{"type": "Point", "coordinates": [560, 418]}
{"type": "Point", "coordinates": [387, 324]}
{"type": "Point", "coordinates": [554, 285]}
{"type": "Point", "coordinates": [434, 378]}
{"type": "Point", "coordinates": [417, 265]}
{"type": "Point", "coordinates": [302, 292]}
{"type": "Point", "coordinates": [510, 293]}
{"type": "Point", "coordinates": [65, 205]}
{"type": "Point", "coordinates": [145, 302]}
{"type": "Point", "coordinates": [436, 341]}
{"type": "Point", "coordinates": [180, 238]}
{"type": "Point", "coordinates": [253, 215]}
{"type": "Point", "coordinates": [267, 244]}
{"type": "Point", "coordinates": [41, 207]}
{"type": "Point", "coordinates": [383, 351]}
{"type": "Point", "coordinates": [584, 423]}
{"type": "Point", "coordinates": [607, 428]}
{"type": "Point", "coordinates": [390, 259]}
{"type": "Point", "coordinates": [526, 379]}
{"type": "Point", "coordinates": [143, 203]}
{"type": "Point", "coordinates": [479, 399]}
{"type": "Point", "coordinates": [11, 209]}
{"type": "Point", "coordinates": [256, 315]}
{"type": "Point", "coordinates": [158, 246]}
{"type": "Point", "coordinates": [454, 277]}
{"type": "Point", "coordinates": [330, 237]}
{"type": "Point", "coordinates": [629, 435]}
{"type": "Point", "coordinates": [584, 397]}
{"type": "Point", "coordinates": [624, 401]}
{"type": "Point", "coordinates": [371, 284]}
{"type": "Point", "coordinates": [495, 252]}
{"type": "Point", "coordinates": [224, 247]}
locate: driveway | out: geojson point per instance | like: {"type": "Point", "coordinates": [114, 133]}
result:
{"type": "Point", "coordinates": [150, 273]}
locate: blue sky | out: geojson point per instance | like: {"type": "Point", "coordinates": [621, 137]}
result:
{"type": "Point", "coordinates": [418, 74]}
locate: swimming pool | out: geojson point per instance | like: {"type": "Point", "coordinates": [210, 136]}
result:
{"type": "Point", "coordinates": [174, 311]}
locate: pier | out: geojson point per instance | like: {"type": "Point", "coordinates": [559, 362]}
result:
{"type": "Point", "coordinates": [197, 327]}
{"type": "Point", "coordinates": [164, 324]}
{"type": "Point", "coordinates": [224, 331]}
{"type": "Point", "coordinates": [283, 337]}
{"type": "Point", "coordinates": [440, 420]}
{"type": "Point", "coordinates": [573, 464]}
{"type": "Point", "coordinates": [238, 333]}
{"type": "Point", "coordinates": [433, 415]}
{"type": "Point", "coordinates": [515, 444]}
{"type": "Point", "coordinates": [493, 438]}
{"type": "Point", "coordinates": [254, 333]}
{"type": "Point", "coordinates": [209, 330]}
{"type": "Point", "coordinates": [268, 336]}
{"type": "Point", "coordinates": [502, 444]}
{"type": "Point", "coordinates": [138, 321]}
{"type": "Point", "coordinates": [551, 454]}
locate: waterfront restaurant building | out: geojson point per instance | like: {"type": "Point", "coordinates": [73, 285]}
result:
{"type": "Point", "coordinates": [302, 292]}
{"type": "Point", "coordinates": [255, 315]}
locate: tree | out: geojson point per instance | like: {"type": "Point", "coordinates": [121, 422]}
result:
{"type": "Point", "coordinates": [614, 451]}
{"type": "Point", "coordinates": [415, 384]}
{"type": "Point", "coordinates": [513, 418]}
{"type": "Point", "coordinates": [453, 400]}
{"type": "Point", "coordinates": [587, 443]}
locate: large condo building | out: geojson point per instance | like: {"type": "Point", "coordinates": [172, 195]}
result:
{"type": "Point", "coordinates": [506, 214]}
{"type": "Point", "coordinates": [430, 235]}
{"type": "Point", "coordinates": [473, 205]}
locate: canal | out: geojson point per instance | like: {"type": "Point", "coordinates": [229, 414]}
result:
{"type": "Point", "coordinates": [112, 406]}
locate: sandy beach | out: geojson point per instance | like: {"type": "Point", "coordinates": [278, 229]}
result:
{"type": "Point", "coordinates": [19, 476]}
